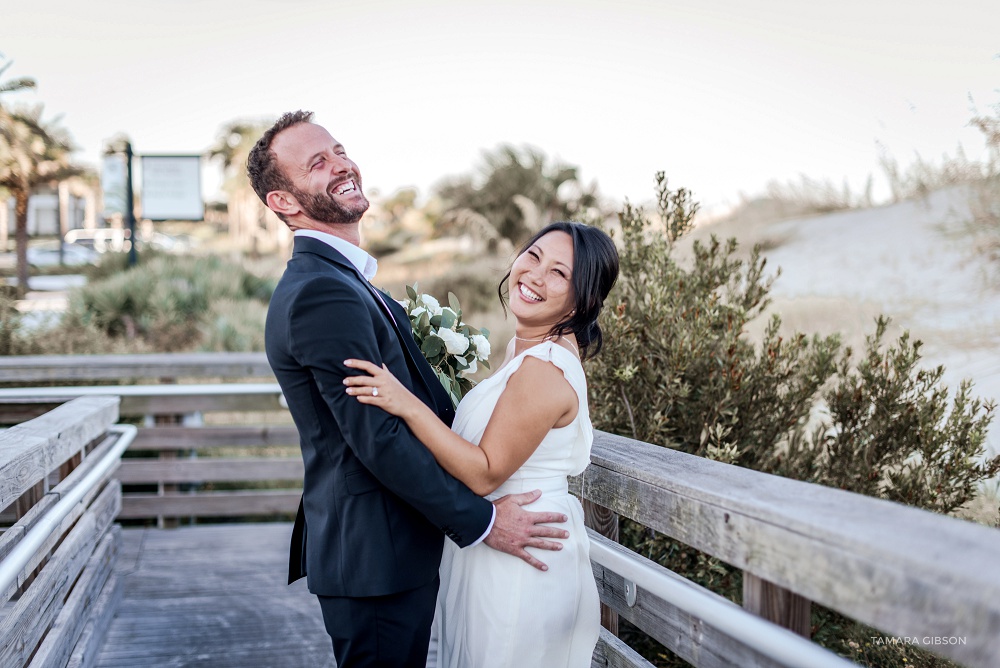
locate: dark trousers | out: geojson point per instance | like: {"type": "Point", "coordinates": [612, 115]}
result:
{"type": "Point", "coordinates": [381, 631]}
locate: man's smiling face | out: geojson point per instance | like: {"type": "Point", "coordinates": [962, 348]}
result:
{"type": "Point", "coordinates": [325, 183]}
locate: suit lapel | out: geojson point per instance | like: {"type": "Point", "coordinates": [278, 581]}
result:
{"type": "Point", "coordinates": [414, 357]}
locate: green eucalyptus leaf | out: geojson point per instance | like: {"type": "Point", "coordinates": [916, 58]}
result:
{"type": "Point", "coordinates": [432, 346]}
{"type": "Point", "coordinates": [424, 322]}
{"type": "Point", "coordinates": [411, 292]}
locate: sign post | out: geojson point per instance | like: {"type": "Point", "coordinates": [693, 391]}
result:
{"type": "Point", "coordinates": [130, 205]}
{"type": "Point", "coordinates": [171, 189]}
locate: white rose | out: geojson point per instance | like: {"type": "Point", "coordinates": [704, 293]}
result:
{"type": "Point", "coordinates": [471, 370]}
{"type": "Point", "coordinates": [405, 303]}
{"type": "Point", "coordinates": [482, 346]}
{"type": "Point", "coordinates": [415, 313]}
{"type": "Point", "coordinates": [454, 343]}
{"type": "Point", "coordinates": [432, 304]}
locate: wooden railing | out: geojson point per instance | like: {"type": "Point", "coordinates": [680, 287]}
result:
{"type": "Point", "coordinates": [197, 455]}
{"type": "Point", "coordinates": [59, 498]}
{"type": "Point", "coordinates": [920, 578]}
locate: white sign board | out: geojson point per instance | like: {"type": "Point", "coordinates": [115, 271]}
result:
{"type": "Point", "coordinates": [171, 187]}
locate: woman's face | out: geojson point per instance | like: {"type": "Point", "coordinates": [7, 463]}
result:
{"type": "Point", "coordinates": [540, 284]}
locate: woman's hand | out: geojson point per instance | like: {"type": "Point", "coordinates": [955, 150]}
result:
{"type": "Point", "coordinates": [380, 388]}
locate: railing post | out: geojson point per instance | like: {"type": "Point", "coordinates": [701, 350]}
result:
{"type": "Point", "coordinates": [776, 604]}
{"type": "Point", "coordinates": [27, 501]}
{"type": "Point", "coordinates": [166, 488]}
{"type": "Point", "coordinates": [605, 522]}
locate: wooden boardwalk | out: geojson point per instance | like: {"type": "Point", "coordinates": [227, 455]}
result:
{"type": "Point", "coordinates": [213, 595]}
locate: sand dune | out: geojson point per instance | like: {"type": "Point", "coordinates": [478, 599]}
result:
{"type": "Point", "coordinates": [912, 261]}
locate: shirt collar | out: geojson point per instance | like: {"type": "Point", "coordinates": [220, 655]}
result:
{"type": "Point", "coordinates": [362, 261]}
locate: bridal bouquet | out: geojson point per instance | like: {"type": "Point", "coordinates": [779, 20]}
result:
{"type": "Point", "coordinates": [454, 349]}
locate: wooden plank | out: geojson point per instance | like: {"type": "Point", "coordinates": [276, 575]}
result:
{"type": "Point", "coordinates": [33, 614]}
{"type": "Point", "coordinates": [104, 509]}
{"type": "Point", "coordinates": [29, 451]}
{"type": "Point", "coordinates": [29, 498]}
{"type": "Point", "coordinates": [685, 635]}
{"type": "Point", "coordinates": [13, 414]}
{"type": "Point", "coordinates": [16, 532]}
{"type": "Point", "coordinates": [94, 631]}
{"type": "Point", "coordinates": [210, 504]}
{"type": "Point", "coordinates": [216, 469]}
{"type": "Point", "coordinates": [210, 611]}
{"type": "Point", "coordinates": [55, 368]}
{"type": "Point", "coordinates": [605, 522]}
{"type": "Point", "coordinates": [191, 438]}
{"type": "Point", "coordinates": [10, 539]}
{"type": "Point", "coordinates": [137, 405]}
{"type": "Point", "coordinates": [613, 653]}
{"type": "Point", "coordinates": [59, 642]}
{"type": "Point", "coordinates": [905, 571]}
{"type": "Point", "coordinates": [776, 604]}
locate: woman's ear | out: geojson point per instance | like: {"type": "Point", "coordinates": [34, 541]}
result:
{"type": "Point", "coordinates": [283, 202]}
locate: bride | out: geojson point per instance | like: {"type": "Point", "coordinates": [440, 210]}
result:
{"type": "Point", "coordinates": [526, 427]}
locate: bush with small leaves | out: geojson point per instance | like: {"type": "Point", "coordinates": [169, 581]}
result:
{"type": "Point", "coordinates": [679, 369]}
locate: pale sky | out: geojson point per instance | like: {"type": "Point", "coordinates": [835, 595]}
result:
{"type": "Point", "coordinates": [724, 96]}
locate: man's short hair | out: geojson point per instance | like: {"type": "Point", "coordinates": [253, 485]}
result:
{"type": "Point", "coordinates": [262, 164]}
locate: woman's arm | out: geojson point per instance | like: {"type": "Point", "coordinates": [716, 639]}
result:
{"type": "Point", "coordinates": [537, 398]}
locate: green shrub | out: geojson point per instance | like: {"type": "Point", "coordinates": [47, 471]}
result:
{"type": "Point", "coordinates": [891, 432]}
{"type": "Point", "coordinates": [10, 326]}
{"type": "Point", "coordinates": [234, 325]}
{"type": "Point", "coordinates": [166, 303]}
{"type": "Point", "coordinates": [679, 369]}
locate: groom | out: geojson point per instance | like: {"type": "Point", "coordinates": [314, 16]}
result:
{"type": "Point", "coordinates": [375, 504]}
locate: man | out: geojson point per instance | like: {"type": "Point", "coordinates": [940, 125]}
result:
{"type": "Point", "coordinates": [375, 504]}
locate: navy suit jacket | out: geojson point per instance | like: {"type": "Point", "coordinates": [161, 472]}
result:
{"type": "Point", "coordinates": [375, 505]}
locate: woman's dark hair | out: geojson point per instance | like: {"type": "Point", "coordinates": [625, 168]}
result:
{"type": "Point", "coordinates": [595, 270]}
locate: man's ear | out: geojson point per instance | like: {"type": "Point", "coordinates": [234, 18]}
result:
{"type": "Point", "coordinates": [283, 202]}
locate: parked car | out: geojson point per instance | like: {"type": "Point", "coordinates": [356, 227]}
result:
{"type": "Point", "coordinates": [101, 240]}
{"type": "Point", "coordinates": [46, 254]}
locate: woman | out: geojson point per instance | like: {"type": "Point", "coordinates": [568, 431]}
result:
{"type": "Point", "coordinates": [525, 427]}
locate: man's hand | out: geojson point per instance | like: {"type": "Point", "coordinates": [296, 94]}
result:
{"type": "Point", "coordinates": [516, 528]}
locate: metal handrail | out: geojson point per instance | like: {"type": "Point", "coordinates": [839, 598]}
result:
{"type": "Point", "coordinates": [770, 640]}
{"type": "Point", "coordinates": [140, 390]}
{"type": "Point", "coordinates": [20, 556]}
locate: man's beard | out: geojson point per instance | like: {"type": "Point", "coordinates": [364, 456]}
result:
{"type": "Point", "coordinates": [325, 209]}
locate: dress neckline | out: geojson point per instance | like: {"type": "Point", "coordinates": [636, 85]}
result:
{"type": "Point", "coordinates": [550, 342]}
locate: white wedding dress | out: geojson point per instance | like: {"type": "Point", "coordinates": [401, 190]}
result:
{"type": "Point", "coordinates": [494, 610]}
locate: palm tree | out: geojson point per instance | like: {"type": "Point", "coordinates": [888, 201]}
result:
{"type": "Point", "coordinates": [32, 153]}
{"type": "Point", "coordinates": [247, 215]}
{"type": "Point", "coordinates": [21, 83]}
{"type": "Point", "coordinates": [14, 85]}
{"type": "Point", "coordinates": [520, 192]}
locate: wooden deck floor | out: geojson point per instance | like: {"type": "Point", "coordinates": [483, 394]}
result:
{"type": "Point", "coordinates": [216, 596]}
